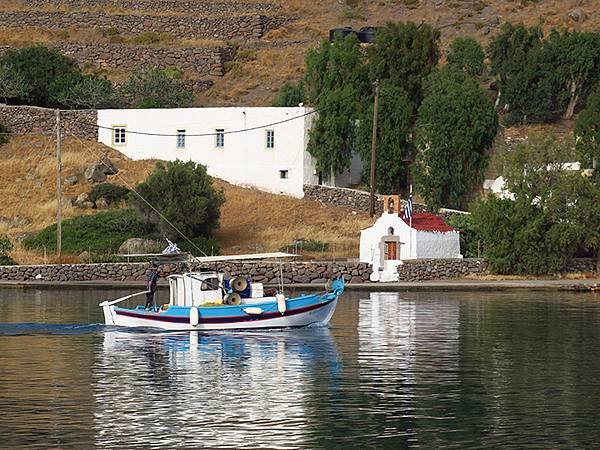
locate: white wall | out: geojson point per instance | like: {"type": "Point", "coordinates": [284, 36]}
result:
{"type": "Point", "coordinates": [437, 245]}
{"type": "Point", "coordinates": [244, 160]}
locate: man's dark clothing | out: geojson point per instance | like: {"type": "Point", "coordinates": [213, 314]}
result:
{"type": "Point", "coordinates": [151, 280]}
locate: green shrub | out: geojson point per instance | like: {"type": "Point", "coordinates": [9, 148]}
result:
{"type": "Point", "coordinates": [5, 247]}
{"type": "Point", "coordinates": [113, 193]}
{"type": "Point", "coordinates": [469, 239]}
{"type": "Point", "coordinates": [200, 246]}
{"type": "Point", "coordinates": [184, 194]}
{"type": "Point", "coordinates": [290, 94]}
{"type": "Point", "coordinates": [99, 233]}
{"type": "Point", "coordinates": [156, 88]}
{"type": "Point", "coordinates": [152, 37]}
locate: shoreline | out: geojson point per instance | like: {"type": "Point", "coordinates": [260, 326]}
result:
{"type": "Point", "coordinates": [585, 285]}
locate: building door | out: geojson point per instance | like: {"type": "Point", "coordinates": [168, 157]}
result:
{"type": "Point", "coordinates": [391, 250]}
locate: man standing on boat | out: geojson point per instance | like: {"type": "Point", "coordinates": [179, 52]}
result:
{"type": "Point", "coordinates": [151, 281]}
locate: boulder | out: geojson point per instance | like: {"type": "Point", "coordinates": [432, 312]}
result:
{"type": "Point", "coordinates": [95, 173]}
{"type": "Point", "coordinates": [83, 201]}
{"type": "Point", "coordinates": [577, 15]}
{"type": "Point", "coordinates": [70, 181]}
{"type": "Point", "coordinates": [138, 245]}
{"type": "Point", "coordinates": [102, 203]}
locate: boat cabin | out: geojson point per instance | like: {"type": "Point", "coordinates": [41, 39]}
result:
{"type": "Point", "coordinates": [199, 288]}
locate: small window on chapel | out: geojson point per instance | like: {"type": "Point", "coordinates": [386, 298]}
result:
{"type": "Point", "coordinates": [283, 174]}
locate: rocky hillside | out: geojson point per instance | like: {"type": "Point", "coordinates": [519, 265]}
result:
{"type": "Point", "coordinates": [240, 52]}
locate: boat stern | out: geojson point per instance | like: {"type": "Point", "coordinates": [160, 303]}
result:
{"type": "Point", "coordinates": [107, 309]}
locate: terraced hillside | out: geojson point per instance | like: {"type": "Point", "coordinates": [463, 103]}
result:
{"type": "Point", "coordinates": [240, 52]}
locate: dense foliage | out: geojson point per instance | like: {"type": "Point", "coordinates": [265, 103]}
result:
{"type": "Point", "coordinates": [113, 193]}
{"type": "Point", "coordinates": [89, 91]}
{"type": "Point", "coordinates": [470, 241]}
{"type": "Point", "coordinates": [185, 196]}
{"type": "Point", "coordinates": [467, 55]}
{"type": "Point", "coordinates": [456, 127]}
{"type": "Point", "coordinates": [394, 144]}
{"type": "Point", "coordinates": [156, 88]}
{"type": "Point", "coordinates": [37, 69]}
{"type": "Point", "coordinates": [101, 233]}
{"type": "Point", "coordinates": [555, 212]}
{"type": "Point", "coordinates": [587, 133]}
{"type": "Point", "coordinates": [5, 247]}
{"type": "Point", "coordinates": [540, 79]}
{"type": "Point", "coordinates": [290, 94]}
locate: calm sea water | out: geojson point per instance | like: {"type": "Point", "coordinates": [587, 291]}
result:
{"type": "Point", "coordinates": [395, 370]}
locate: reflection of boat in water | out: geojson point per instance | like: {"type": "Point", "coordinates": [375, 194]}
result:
{"type": "Point", "coordinates": [196, 390]}
{"type": "Point", "coordinates": [205, 301]}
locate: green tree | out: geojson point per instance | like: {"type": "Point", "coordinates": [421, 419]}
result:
{"type": "Point", "coordinates": [332, 136]}
{"type": "Point", "coordinates": [156, 88]}
{"type": "Point", "coordinates": [90, 91]}
{"type": "Point", "coordinates": [336, 65]}
{"type": "Point", "coordinates": [185, 196]}
{"type": "Point", "coordinates": [404, 54]}
{"type": "Point", "coordinates": [456, 127]}
{"type": "Point", "coordinates": [12, 84]}
{"type": "Point", "coordinates": [587, 133]}
{"type": "Point", "coordinates": [466, 54]}
{"type": "Point", "coordinates": [554, 213]}
{"type": "Point", "coordinates": [578, 63]}
{"type": "Point", "coordinates": [38, 67]}
{"type": "Point", "coordinates": [290, 94]}
{"type": "Point", "coordinates": [394, 144]}
{"type": "Point", "coordinates": [5, 247]}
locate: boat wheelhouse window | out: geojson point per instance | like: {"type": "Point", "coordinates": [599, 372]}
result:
{"type": "Point", "coordinates": [210, 284]}
{"type": "Point", "coordinates": [220, 138]}
{"type": "Point", "coordinates": [180, 138]}
{"type": "Point", "coordinates": [283, 174]}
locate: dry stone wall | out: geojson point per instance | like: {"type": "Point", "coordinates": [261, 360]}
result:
{"type": "Point", "coordinates": [262, 272]}
{"type": "Point", "coordinates": [241, 27]}
{"type": "Point", "coordinates": [201, 60]}
{"type": "Point", "coordinates": [186, 6]}
{"type": "Point", "coordinates": [25, 119]}
{"type": "Point", "coordinates": [440, 269]}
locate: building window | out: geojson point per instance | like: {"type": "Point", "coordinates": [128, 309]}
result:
{"type": "Point", "coordinates": [270, 138]}
{"type": "Point", "coordinates": [220, 138]}
{"type": "Point", "coordinates": [119, 135]}
{"type": "Point", "coordinates": [283, 174]}
{"type": "Point", "coordinates": [180, 138]}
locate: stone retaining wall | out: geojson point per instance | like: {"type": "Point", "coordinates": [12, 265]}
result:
{"type": "Point", "coordinates": [186, 6]}
{"type": "Point", "coordinates": [440, 269]}
{"type": "Point", "coordinates": [201, 60]}
{"type": "Point", "coordinates": [581, 265]}
{"type": "Point", "coordinates": [24, 119]}
{"type": "Point", "coordinates": [263, 272]}
{"type": "Point", "coordinates": [226, 27]}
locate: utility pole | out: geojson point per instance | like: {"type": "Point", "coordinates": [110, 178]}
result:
{"type": "Point", "coordinates": [58, 187]}
{"type": "Point", "coordinates": [373, 146]}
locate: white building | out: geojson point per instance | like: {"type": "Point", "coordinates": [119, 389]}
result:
{"type": "Point", "coordinates": [392, 239]}
{"type": "Point", "coordinates": [271, 155]}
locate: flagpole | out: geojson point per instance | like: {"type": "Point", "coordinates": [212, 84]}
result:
{"type": "Point", "coordinates": [410, 220]}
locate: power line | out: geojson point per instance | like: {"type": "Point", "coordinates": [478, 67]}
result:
{"type": "Point", "coordinates": [242, 130]}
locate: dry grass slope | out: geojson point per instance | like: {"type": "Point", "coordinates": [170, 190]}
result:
{"type": "Point", "coordinates": [251, 220]}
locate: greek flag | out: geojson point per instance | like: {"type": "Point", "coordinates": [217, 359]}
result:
{"type": "Point", "coordinates": [171, 248]}
{"type": "Point", "coordinates": [408, 208]}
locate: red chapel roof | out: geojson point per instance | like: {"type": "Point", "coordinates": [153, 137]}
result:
{"type": "Point", "coordinates": [428, 222]}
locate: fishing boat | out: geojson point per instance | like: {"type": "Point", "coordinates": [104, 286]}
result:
{"type": "Point", "coordinates": [207, 301]}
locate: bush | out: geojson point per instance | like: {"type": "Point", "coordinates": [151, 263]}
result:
{"type": "Point", "coordinates": [39, 67]}
{"type": "Point", "coordinates": [470, 241]}
{"type": "Point", "coordinates": [200, 246]}
{"type": "Point", "coordinates": [100, 233]}
{"type": "Point", "coordinates": [5, 247]}
{"type": "Point", "coordinates": [113, 193]}
{"type": "Point", "coordinates": [466, 54]}
{"type": "Point", "coordinates": [290, 94]}
{"type": "Point", "coordinates": [156, 88]}
{"type": "Point", "coordinates": [184, 194]}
